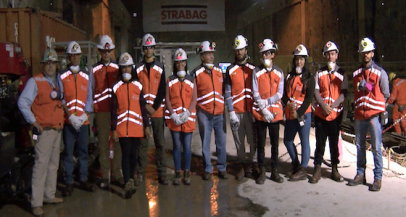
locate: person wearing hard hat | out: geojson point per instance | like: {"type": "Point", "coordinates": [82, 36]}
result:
{"type": "Point", "coordinates": [398, 98]}
{"type": "Point", "coordinates": [41, 105]}
{"type": "Point", "coordinates": [371, 90]}
{"type": "Point", "coordinates": [128, 119]}
{"type": "Point", "coordinates": [78, 97]}
{"type": "Point", "coordinates": [298, 96]}
{"type": "Point", "coordinates": [103, 76]}
{"type": "Point", "coordinates": [330, 92]}
{"type": "Point", "coordinates": [210, 109]}
{"type": "Point", "coordinates": [180, 114]}
{"type": "Point", "coordinates": [151, 74]}
{"type": "Point", "coordinates": [268, 82]}
{"type": "Point", "coordinates": [238, 94]}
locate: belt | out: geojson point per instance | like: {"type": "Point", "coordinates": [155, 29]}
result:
{"type": "Point", "coordinates": [59, 128]}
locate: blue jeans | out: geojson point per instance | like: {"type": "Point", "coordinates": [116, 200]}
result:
{"type": "Point", "coordinates": [375, 129]}
{"type": "Point", "coordinates": [70, 136]}
{"type": "Point", "coordinates": [291, 128]}
{"type": "Point", "coordinates": [179, 138]}
{"type": "Point", "coordinates": [208, 122]}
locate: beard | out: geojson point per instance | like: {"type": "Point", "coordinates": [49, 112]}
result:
{"type": "Point", "coordinates": [240, 58]}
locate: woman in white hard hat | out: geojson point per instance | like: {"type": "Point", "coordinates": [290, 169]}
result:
{"type": "Point", "coordinates": [180, 115]}
{"type": "Point", "coordinates": [129, 118]}
{"type": "Point", "coordinates": [298, 95]}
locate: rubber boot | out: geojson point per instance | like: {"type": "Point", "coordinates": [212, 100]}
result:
{"type": "Point", "coordinates": [316, 174]}
{"type": "Point", "coordinates": [262, 177]}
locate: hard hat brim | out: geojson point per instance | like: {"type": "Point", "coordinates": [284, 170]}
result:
{"type": "Point", "coordinates": [102, 48]}
{"type": "Point", "coordinates": [54, 61]}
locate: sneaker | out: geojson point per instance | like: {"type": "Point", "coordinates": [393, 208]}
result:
{"type": "Point", "coordinates": [38, 211]}
{"type": "Point", "coordinates": [53, 201]}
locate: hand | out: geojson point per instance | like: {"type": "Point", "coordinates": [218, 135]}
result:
{"type": "Point", "coordinates": [291, 106]}
{"type": "Point", "coordinates": [233, 118]}
{"type": "Point", "coordinates": [262, 103]}
{"type": "Point", "coordinates": [76, 123]}
{"type": "Point", "coordinates": [83, 118]}
{"type": "Point", "coordinates": [115, 136]}
{"type": "Point", "coordinates": [150, 110]}
{"type": "Point", "coordinates": [38, 126]}
{"type": "Point", "coordinates": [327, 110]}
{"type": "Point", "coordinates": [294, 114]}
{"type": "Point", "coordinates": [267, 115]}
{"type": "Point", "coordinates": [183, 117]}
{"type": "Point", "coordinates": [147, 133]}
{"type": "Point", "coordinates": [176, 119]}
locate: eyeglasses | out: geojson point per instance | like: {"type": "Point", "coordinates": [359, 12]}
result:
{"type": "Point", "coordinates": [148, 48]}
{"type": "Point", "coordinates": [266, 53]}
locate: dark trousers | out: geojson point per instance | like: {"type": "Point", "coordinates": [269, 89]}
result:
{"type": "Point", "coordinates": [327, 129]}
{"type": "Point", "coordinates": [129, 146]}
{"type": "Point", "coordinates": [273, 130]}
{"type": "Point", "coordinates": [158, 133]}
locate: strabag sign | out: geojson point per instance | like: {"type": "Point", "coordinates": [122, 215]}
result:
{"type": "Point", "coordinates": [181, 15]}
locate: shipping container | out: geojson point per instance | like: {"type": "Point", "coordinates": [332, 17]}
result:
{"type": "Point", "coordinates": [30, 27]}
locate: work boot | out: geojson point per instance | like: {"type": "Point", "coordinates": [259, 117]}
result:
{"type": "Point", "coordinates": [262, 176]}
{"type": "Point", "coordinates": [120, 182]}
{"type": "Point", "coordinates": [38, 211]}
{"type": "Point", "coordinates": [275, 176]}
{"type": "Point", "coordinates": [53, 201]}
{"type": "Point", "coordinates": [186, 177]}
{"type": "Point", "coordinates": [335, 175]}
{"type": "Point", "coordinates": [163, 180]}
{"type": "Point", "coordinates": [104, 184]}
{"type": "Point", "coordinates": [128, 189]}
{"type": "Point", "coordinates": [206, 176]}
{"type": "Point", "coordinates": [176, 178]}
{"type": "Point", "coordinates": [241, 173]}
{"type": "Point", "coordinates": [68, 190]}
{"type": "Point", "coordinates": [223, 175]}
{"type": "Point", "coordinates": [300, 174]}
{"type": "Point", "coordinates": [376, 186]}
{"type": "Point", "coordinates": [316, 174]}
{"type": "Point", "coordinates": [358, 180]}
{"type": "Point", "coordinates": [87, 186]}
{"type": "Point", "coordinates": [139, 179]}
{"type": "Point", "coordinates": [255, 171]}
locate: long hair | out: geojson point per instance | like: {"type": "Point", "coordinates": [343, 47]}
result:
{"type": "Point", "coordinates": [306, 75]}
{"type": "Point", "coordinates": [175, 70]}
{"type": "Point", "coordinates": [133, 74]}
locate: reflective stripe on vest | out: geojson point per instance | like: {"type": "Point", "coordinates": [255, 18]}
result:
{"type": "Point", "coordinates": [105, 77]}
{"type": "Point", "coordinates": [209, 99]}
{"type": "Point", "coordinates": [241, 87]}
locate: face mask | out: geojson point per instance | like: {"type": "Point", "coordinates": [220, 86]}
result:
{"type": "Point", "coordinates": [126, 76]}
{"type": "Point", "coordinates": [74, 69]}
{"type": "Point", "coordinates": [331, 65]}
{"type": "Point", "coordinates": [267, 63]}
{"type": "Point", "coordinates": [298, 70]}
{"type": "Point", "coordinates": [181, 74]}
{"type": "Point", "coordinates": [209, 65]}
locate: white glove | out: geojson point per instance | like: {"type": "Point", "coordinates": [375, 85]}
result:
{"type": "Point", "coordinates": [74, 120]}
{"type": "Point", "coordinates": [267, 115]}
{"type": "Point", "coordinates": [184, 116]}
{"type": "Point", "coordinates": [233, 118]}
{"type": "Point", "coordinates": [262, 103]}
{"type": "Point", "coordinates": [176, 119]}
{"type": "Point", "coordinates": [83, 118]}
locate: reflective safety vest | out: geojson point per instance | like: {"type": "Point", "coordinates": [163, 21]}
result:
{"type": "Point", "coordinates": [151, 85]}
{"type": "Point", "coordinates": [295, 94]}
{"type": "Point", "coordinates": [47, 112]}
{"type": "Point", "coordinates": [180, 95]}
{"type": "Point", "coordinates": [241, 87]}
{"type": "Point", "coordinates": [268, 84]}
{"type": "Point", "coordinates": [210, 90]}
{"type": "Point", "coordinates": [129, 116]}
{"type": "Point", "coordinates": [104, 78]}
{"type": "Point", "coordinates": [398, 93]}
{"type": "Point", "coordinates": [330, 90]}
{"type": "Point", "coordinates": [75, 89]}
{"type": "Point", "coordinates": [368, 104]}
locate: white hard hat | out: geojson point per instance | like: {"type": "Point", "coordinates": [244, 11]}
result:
{"type": "Point", "coordinates": [329, 47]}
{"type": "Point", "coordinates": [301, 50]}
{"type": "Point", "coordinates": [206, 46]}
{"type": "Point", "coordinates": [106, 43]}
{"type": "Point", "coordinates": [267, 44]}
{"type": "Point", "coordinates": [73, 48]}
{"type": "Point", "coordinates": [148, 40]}
{"type": "Point", "coordinates": [366, 45]}
{"type": "Point", "coordinates": [179, 55]}
{"type": "Point", "coordinates": [50, 56]}
{"type": "Point", "coordinates": [240, 42]}
{"type": "Point", "coordinates": [125, 60]}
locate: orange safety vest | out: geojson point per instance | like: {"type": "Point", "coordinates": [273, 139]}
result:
{"type": "Point", "coordinates": [75, 89]}
{"type": "Point", "coordinates": [47, 112]}
{"type": "Point", "coordinates": [368, 104]}
{"type": "Point", "coordinates": [210, 90]}
{"type": "Point", "coordinates": [129, 116]}
{"type": "Point", "coordinates": [241, 87]}
{"type": "Point", "coordinates": [294, 92]}
{"type": "Point", "coordinates": [151, 85]}
{"type": "Point", "coordinates": [330, 90]}
{"type": "Point", "coordinates": [104, 78]}
{"type": "Point", "coordinates": [268, 84]}
{"type": "Point", "coordinates": [398, 87]}
{"type": "Point", "coordinates": [180, 95]}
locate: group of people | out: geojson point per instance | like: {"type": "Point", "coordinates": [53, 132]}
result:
{"type": "Point", "coordinates": [130, 98]}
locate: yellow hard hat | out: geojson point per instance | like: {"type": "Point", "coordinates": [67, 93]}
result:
{"type": "Point", "coordinates": [392, 76]}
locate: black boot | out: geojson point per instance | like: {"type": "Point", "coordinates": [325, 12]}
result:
{"type": "Point", "coordinates": [316, 174]}
{"type": "Point", "coordinates": [68, 190]}
{"type": "Point", "coordinates": [275, 176]}
{"type": "Point", "coordinates": [255, 170]}
{"type": "Point", "coordinates": [262, 177]}
{"type": "Point", "coordinates": [176, 179]}
{"type": "Point", "coordinates": [335, 175]}
{"type": "Point", "coordinates": [187, 177]}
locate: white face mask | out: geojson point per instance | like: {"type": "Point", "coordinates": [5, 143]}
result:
{"type": "Point", "coordinates": [181, 74]}
{"type": "Point", "coordinates": [74, 69]}
{"type": "Point", "coordinates": [331, 65]}
{"type": "Point", "coordinates": [267, 63]}
{"type": "Point", "coordinates": [126, 76]}
{"type": "Point", "coordinates": [298, 70]}
{"type": "Point", "coordinates": [209, 65]}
